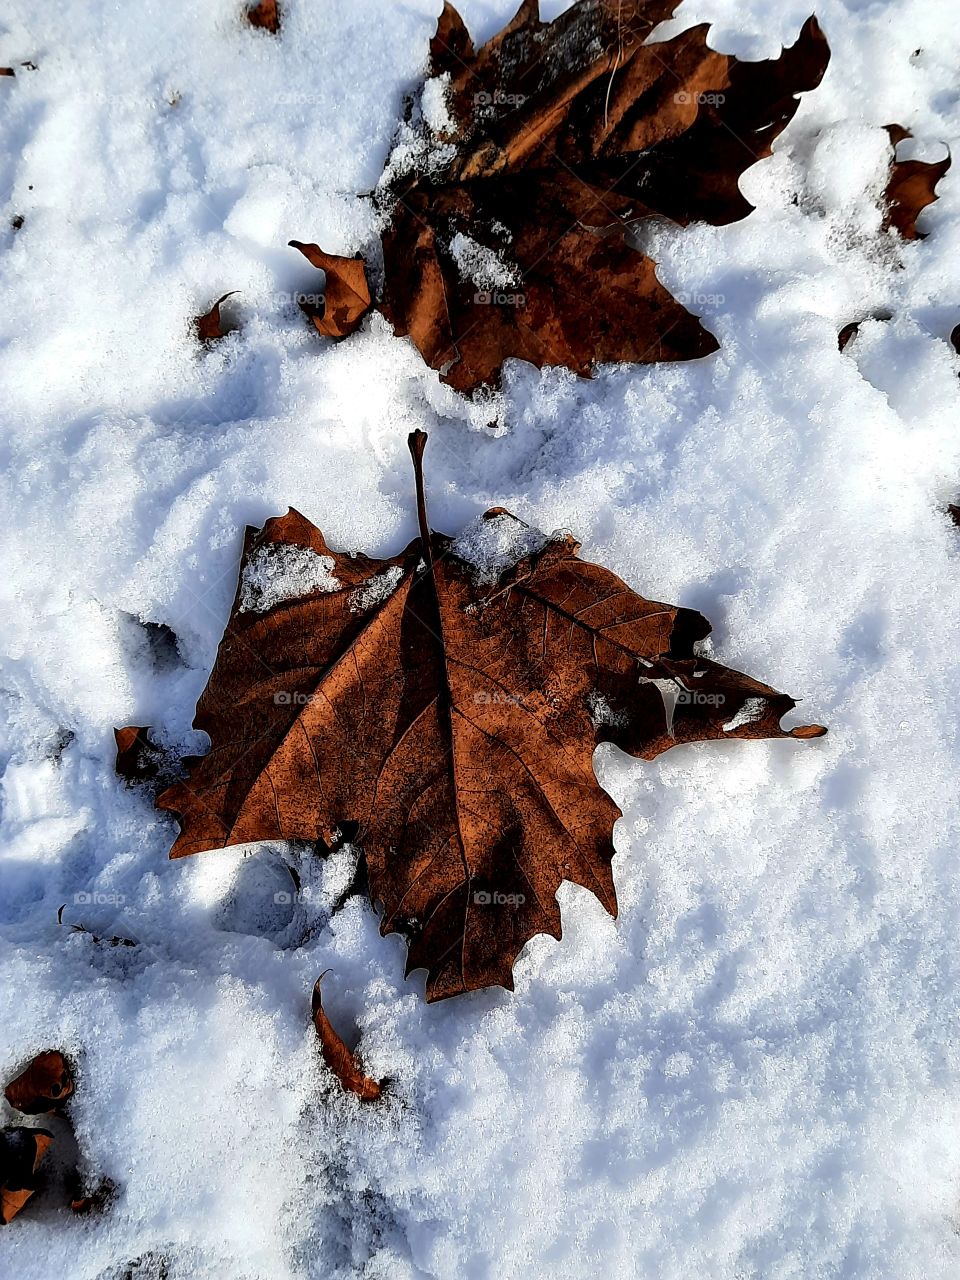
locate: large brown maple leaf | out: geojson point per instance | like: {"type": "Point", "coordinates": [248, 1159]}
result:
{"type": "Point", "coordinates": [453, 717]}
{"type": "Point", "coordinates": [510, 211]}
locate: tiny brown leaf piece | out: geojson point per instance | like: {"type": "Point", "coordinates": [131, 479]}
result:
{"type": "Point", "coordinates": [454, 720]}
{"type": "Point", "coordinates": [346, 294]}
{"type": "Point", "coordinates": [209, 326]}
{"type": "Point", "coordinates": [850, 331]}
{"type": "Point", "coordinates": [21, 1151]}
{"type": "Point", "coordinates": [43, 1086]}
{"type": "Point", "coordinates": [7, 71]}
{"type": "Point", "coordinates": [143, 762]}
{"type": "Point", "coordinates": [338, 1057]}
{"type": "Point", "coordinates": [910, 187]}
{"type": "Point", "coordinates": [265, 16]}
{"type": "Point", "coordinates": [512, 236]}
{"type": "Point", "coordinates": [139, 759]}
{"type": "Point", "coordinates": [96, 1200]}
{"type": "Point", "coordinates": [847, 332]}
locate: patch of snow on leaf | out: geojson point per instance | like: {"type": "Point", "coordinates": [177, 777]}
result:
{"type": "Point", "coordinates": [280, 571]}
{"type": "Point", "coordinates": [493, 544]}
{"type": "Point", "coordinates": [415, 150]}
{"type": "Point", "coordinates": [375, 590]}
{"type": "Point", "coordinates": [481, 265]}
{"type": "Point", "coordinates": [419, 144]}
{"type": "Point", "coordinates": [603, 714]}
{"type": "Point", "coordinates": [434, 105]}
{"type": "Point", "coordinates": [751, 710]}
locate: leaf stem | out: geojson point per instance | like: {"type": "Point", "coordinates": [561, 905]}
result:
{"type": "Point", "coordinates": [417, 440]}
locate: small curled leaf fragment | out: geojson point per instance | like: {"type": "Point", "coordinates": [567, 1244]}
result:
{"type": "Point", "coordinates": [910, 188]}
{"type": "Point", "coordinates": [850, 331]}
{"type": "Point", "coordinates": [209, 326]}
{"type": "Point", "coordinates": [338, 1057]}
{"type": "Point", "coordinates": [95, 1200]}
{"type": "Point", "coordinates": [43, 1086]}
{"type": "Point", "coordinates": [847, 332]}
{"type": "Point", "coordinates": [265, 16]}
{"type": "Point", "coordinates": [143, 762]}
{"type": "Point", "coordinates": [138, 757]}
{"type": "Point", "coordinates": [21, 1151]}
{"type": "Point", "coordinates": [346, 294]}
{"type": "Point", "coordinates": [808, 731]}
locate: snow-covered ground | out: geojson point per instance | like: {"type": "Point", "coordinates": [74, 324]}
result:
{"type": "Point", "coordinates": [755, 1071]}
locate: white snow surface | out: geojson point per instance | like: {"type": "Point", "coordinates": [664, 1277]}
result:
{"type": "Point", "coordinates": [754, 1071]}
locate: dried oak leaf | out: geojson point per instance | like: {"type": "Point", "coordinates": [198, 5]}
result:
{"type": "Point", "coordinates": [509, 232]}
{"type": "Point", "coordinates": [910, 187]}
{"type": "Point", "coordinates": [265, 16]}
{"type": "Point", "coordinates": [21, 1151]}
{"type": "Point", "coordinates": [43, 1086]}
{"type": "Point", "coordinates": [210, 327]}
{"type": "Point", "coordinates": [454, 720]}
{"type": "Point", "coordinates": [346, 294]}
{"type": "Point", "coordinates": [338, 1057]}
